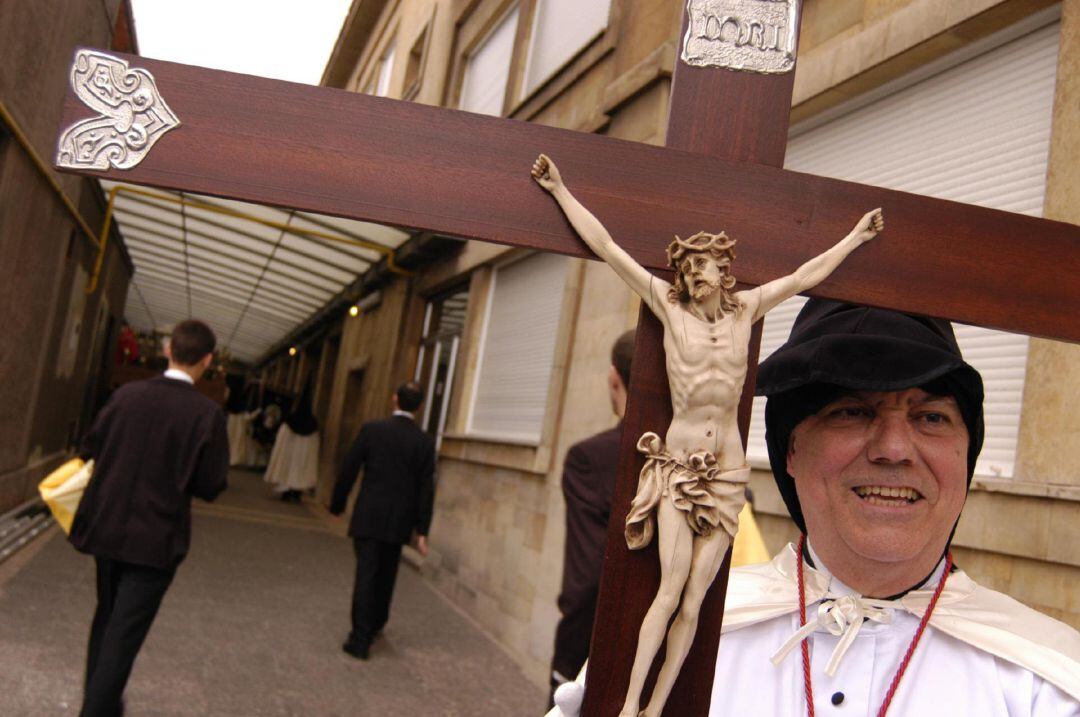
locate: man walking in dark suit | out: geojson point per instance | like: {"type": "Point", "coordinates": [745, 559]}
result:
{"type": "Point", "coordinates": [396, 498]}
{"type": "Point", "coordinates": [588, 482]}
{"type": "Point", "coordinates": [156, 444]}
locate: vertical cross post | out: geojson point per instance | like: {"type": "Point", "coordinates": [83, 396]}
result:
{"type": "Point", "coordinates": [734, 115]}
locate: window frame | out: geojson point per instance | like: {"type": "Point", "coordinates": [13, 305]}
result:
{"type": "Point", "coordinates": [475, 23]}
{"type": "Point", "coordinates": [458, 442]}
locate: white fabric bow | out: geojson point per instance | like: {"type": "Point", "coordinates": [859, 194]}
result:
{"type": "Point", "coordinates": [843, 618]}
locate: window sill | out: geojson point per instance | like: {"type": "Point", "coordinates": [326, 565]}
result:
{"type": "Point", "coordinates": [1032, 489]}
{"type": "Point", "coordinates": [496, 451]}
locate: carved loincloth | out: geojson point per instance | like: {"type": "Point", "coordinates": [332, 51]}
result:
{"type": "Point", "coordinates": [709, 496]}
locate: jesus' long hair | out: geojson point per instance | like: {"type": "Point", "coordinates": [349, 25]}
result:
{"type": "Point", "coordinates": [722, 248]}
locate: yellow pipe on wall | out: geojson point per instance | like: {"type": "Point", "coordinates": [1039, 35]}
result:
{"type": "Point", "coordinates": [46, 172]}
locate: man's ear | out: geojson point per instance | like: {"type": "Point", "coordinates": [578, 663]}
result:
{"type": "Point", "coordinates": [790, 451]}
{"type": "Point", "coordinates": [207, 360]}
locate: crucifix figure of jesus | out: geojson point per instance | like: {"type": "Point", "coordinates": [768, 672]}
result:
{"type": "Point", "coordinates": [692, 484]}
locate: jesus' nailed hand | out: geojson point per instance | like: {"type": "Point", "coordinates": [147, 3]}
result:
{"type": "Point", "coordinates": [692, 484]}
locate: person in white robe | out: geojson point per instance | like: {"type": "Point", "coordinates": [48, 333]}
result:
{"type": "Point", "coordinates": [874, 423]}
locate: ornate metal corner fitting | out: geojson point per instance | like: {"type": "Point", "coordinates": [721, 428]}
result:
{"type": "Point", "coordinates": [133, 115]}
{"type": "Point", "coordinates": [744, 35]}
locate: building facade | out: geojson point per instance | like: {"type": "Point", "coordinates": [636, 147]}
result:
{"type": "Point", "coordinates": [975, 101]}
{"type": "Point", "coordinates": [56, 347]}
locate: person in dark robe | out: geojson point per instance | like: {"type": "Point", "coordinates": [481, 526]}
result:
{"type": "Point", "coordinates": [397, 497]}
{"type": "Point", "coordinates": [294, 460]}
{"type": "Point", "coordinates": [236, 415]}
{"type": "Point", "coordinates": [588, 482]}
{"type": "Point", "coordinates": [155, 445]}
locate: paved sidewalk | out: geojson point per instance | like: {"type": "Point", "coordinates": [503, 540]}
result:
{"type": "Point", "coordinates": [252, 625]}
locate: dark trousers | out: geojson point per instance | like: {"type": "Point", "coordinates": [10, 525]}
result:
{"type": "Point", "coordinates": [572, 636]}
{"type": "Point", "coordinates": [128, 600]}
{"type": "Point", "coordinates": [376, 572]}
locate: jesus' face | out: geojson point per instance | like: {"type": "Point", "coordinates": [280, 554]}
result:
{"type": "Point", "coordinates": [881, 476]}
{"type": "Point", "coordinates": [703, 274]}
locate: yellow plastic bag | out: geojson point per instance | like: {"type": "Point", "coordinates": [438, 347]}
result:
{"type": "Point", "coordinates": [63, 489]}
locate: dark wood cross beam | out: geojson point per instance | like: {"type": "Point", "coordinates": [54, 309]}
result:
{"type": "Point", "coordinates": [362, 157]}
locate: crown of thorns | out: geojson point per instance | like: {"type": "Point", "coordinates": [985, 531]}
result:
{"type": "Point", "coordinates": [718, 244]}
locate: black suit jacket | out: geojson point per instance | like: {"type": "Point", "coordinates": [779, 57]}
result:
{"type": "Point", "coordinates": [397, 494]}
{"type": "Point", "coordinates": [588, 482]}
{"type": "Point", "coordinates": [156, 444]}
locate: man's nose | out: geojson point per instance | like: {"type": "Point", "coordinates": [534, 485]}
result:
{"type": "Point", "coordinates": [891, 439]}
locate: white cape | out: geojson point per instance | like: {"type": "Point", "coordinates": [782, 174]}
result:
{"type": "Point", "coordinates": [985, 619]}
{"type": "Point", "coordinates": [966, 611]}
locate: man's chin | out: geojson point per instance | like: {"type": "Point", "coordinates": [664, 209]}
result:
{"type": "Point", "coordinates": [885, 546]}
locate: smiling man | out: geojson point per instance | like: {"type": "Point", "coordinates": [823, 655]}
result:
{"type": "Point", "coordinates": [874, 423]}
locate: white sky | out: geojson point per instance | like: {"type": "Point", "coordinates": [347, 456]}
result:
{"type": "Point", "coordinates": [283, 39]}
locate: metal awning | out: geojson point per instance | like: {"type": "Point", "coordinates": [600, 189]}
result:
{"type": "Point", "coordinates": [253, 273]}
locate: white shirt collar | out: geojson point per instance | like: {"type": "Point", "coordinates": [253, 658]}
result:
{"type": "Point", "coordinates": [178, 375]}
{"type": "Point", "coordinates": [407, 414]}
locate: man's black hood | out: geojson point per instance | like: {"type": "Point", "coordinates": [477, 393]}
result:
{"type": "Point", "coordinates": [836, 347]}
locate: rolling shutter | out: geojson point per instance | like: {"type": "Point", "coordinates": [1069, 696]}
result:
{"type": "Point", "coordinates": [518, 349]}
{"type": "Point", "coordinates": [484, 87]}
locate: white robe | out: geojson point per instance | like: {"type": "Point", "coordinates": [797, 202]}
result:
{"type": "Point", "coordinates": [948, 675]}
{"type": "Point", "coordinates": [242, 447]}
{"type": "Point", "coordinates": [983, 654]}
{"type": "Point", "coordinates": [294, 461]}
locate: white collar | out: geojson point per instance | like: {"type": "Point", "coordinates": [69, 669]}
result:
{"type": "Point", "coordinates": [842, 613]}
{"type": "Point", "coordinates": [178, 375]}
{"type": "Point", "coordinates": [406, 414]}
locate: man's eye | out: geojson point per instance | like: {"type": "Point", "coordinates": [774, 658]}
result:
{"type": "Point", "coordinates": [935, 419]}
{"type": "Point", "coordinates": [850, 412]}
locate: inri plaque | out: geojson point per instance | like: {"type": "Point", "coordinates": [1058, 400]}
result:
{"type": "Point", "coordinates": [748, 35]}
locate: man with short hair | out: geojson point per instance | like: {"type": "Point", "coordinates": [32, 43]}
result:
{"type": "Point", "coordinates": [396, 499]}
{"type": "Point", "coordinates": [588, 481]}
{"type": "Point", "coordinates": [155, 444]}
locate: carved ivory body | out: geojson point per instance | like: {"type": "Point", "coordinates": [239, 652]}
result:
{"type": "Point", "coordinates": [694, 483]}
{"type": "Point", "coordinates": [706, 366]}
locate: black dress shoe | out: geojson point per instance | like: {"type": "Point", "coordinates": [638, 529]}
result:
{"type": "Point", "coordinates": [359, 650]}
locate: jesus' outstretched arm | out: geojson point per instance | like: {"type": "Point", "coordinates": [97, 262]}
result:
{"type": "Point", "coordinates": [816, 270]}
{"type": "Point", "coordinates": [651, 289]}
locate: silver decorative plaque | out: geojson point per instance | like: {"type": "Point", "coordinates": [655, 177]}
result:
{"type": "Point", "coordinates": [132, 114]}
{"type": "Point", "coordinates": [749, 35]}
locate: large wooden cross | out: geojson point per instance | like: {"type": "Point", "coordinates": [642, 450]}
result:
{"type": "Point", "coordinates": [332, 152]}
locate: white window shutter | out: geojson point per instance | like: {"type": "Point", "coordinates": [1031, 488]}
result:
{"type": "Point", "coordinates": [561, 28]}
{"type": "Point", "coordinates": [386, 70]}
{"type": "Point", "coordinates": [488, 69]}
{"type": "Point", "coordinates": [951, 137]}
{"type": "Point", "coordinates": [518, 349]}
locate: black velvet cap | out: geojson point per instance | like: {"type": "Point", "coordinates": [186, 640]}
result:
{"type": "Point", "coordinates": [836, 347]}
